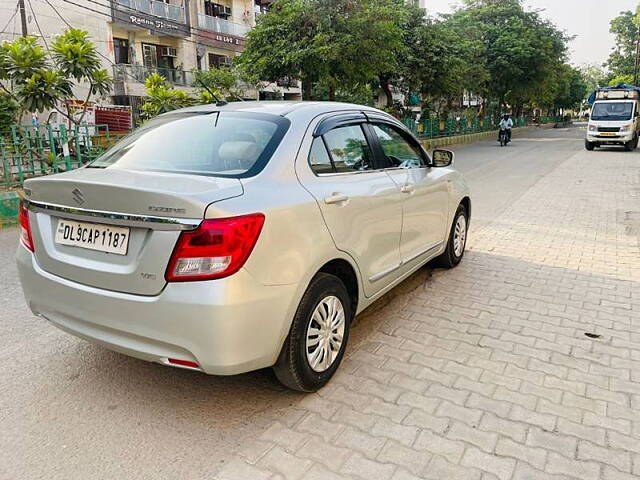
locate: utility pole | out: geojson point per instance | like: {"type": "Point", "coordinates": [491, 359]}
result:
{"type": "Point", "coordinates": [23, 17]}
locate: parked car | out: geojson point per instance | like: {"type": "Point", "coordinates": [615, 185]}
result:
{"type": "Point", "coordinates": [230, 238]}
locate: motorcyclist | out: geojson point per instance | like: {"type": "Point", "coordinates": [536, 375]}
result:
{"type": "Point", "coordinates": [506, 124]}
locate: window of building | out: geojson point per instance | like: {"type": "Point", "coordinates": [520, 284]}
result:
{"type": "Point", "coordinates": [121, 50]}
{"type": "Point", "coordinates": [216, 9]}
{"type": "Point", "coordinates": [218, 61]}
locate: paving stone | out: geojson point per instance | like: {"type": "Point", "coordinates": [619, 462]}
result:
{"type": "Point", "coordinates": [349, 416]}
{"type": "Point", "coordinates": [316, 425]}
{"type": "Point", "coordinates": [362, 467]}
{"type": "Point", "coordinates": [324, 452]}
{"type": "Point", "coordinates": [619, 459]}
{"type": "Point", "coordinates": [557, 464]}
{"type": "Point", "coordinates": [284, 436]}
{"type": "Point", "coordinates": [412, 399]}
{"type": "Point", "coordinates": [421, 419]}
{"type": "Point", "coordinates": [501, 467]}
{"type": "Point", "coordinates": [534, 456]}
{"type": "Point", "coordinates": [438, 445]}
{"type": "Point", "coordinates": [467, 415]}
{"type": "Point", "coordinates": [592, 434]}
{"type": "Point", "coordinates": [552, 441]}
{"type": "Point", "coordinates": [402, 433]}
{"type": "Point", "coordinates": [413, 460]}
{"type": "Point", "coordinates": [361, 441]}
{"type": "Point", "coordinates": [514, 430]}
{"type": "Point", "coordinates": [287, 464]}
{"type": "Point", "coordinates": [543, 420]}
{"type": "Point", "coordinates": [524, 471]}
{"type": "Point", "coordinates": [480, 438]}
{"type": "Point", "coordinates": [440, 469]}
{"type": "Point", "coordinates": [238, 469]}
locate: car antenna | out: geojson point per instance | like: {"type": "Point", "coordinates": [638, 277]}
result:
{"type": "Point", "coordinates": [219, 103]}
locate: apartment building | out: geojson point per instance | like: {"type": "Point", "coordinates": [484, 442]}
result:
{"type": "Point", "coordinates": [176, 37]}
{"type": "Point", "coordinates": [139, 37]}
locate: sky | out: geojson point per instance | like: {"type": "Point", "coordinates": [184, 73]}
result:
{"type": "Point", "coordinates": [587, 19]}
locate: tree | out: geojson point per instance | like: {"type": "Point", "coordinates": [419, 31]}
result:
{"type": "Point", "coordinates": [340, 42]}
{"type": "Point", "coordinates": [520, 49]}
{"type": "Point", "coordinates": [40, 79]}
{"type": "Point", "coordinates": [571, 90]}
{"type": "Point", "coordinates": [8, 112]}
{"type": "Point", "coordinates": [162, 98]}
{"type": "Point", "coordinates": [594, 76]}
{"type": "Point", "coordinates": [225, 84]}
{"type": "Point", "coordinates": [623, 57]}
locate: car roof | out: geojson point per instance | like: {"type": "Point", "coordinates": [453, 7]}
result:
{"type": "Point", "coordinates": [282, 108]}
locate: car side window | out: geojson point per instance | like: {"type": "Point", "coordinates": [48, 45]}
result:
{"type": "Point", "coordinates": [399, 151]}
{"type": "Point", "coordinates": [349, 149]}
{"type": "Point", "coordinates": [319, 159]}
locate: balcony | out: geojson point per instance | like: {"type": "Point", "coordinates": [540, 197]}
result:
{"type": "Point", "coordinates": [139, 73]}
{"type": "Point", "coordinates": [220, 25]}
{"type": "Point", "coordinates": [156, 8]}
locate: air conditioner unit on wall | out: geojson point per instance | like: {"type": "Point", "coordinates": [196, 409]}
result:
{"type": "Point", "coordinates": [169, 52]}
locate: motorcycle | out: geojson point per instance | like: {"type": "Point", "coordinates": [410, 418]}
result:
{"type": "Point", "coordinates": [503, 137]}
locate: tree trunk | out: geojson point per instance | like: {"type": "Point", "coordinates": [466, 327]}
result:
{"type": "Point", "coordinates": [332, 90]}
{"type": "Point", "coordinates": [386, 88]}
{"type": "Point", "coordinates": [306, 88]}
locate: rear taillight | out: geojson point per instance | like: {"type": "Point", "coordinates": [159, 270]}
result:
{"type": "Point", "coordinates": [216, 249]}
{"type": "Point", "coordinates": [25, 228]}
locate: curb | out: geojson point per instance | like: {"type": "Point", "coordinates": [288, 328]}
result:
{"type": "Point", "coordinates": [9, 207]}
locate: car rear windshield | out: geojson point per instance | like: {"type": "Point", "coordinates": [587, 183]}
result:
{"type": "Point", "coordinates": [230, 144]}
{"type": "Point", "coordinates": [612, 111]}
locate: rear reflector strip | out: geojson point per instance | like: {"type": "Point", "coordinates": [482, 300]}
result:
{"type": "Point", "coordinates": [183, 363]}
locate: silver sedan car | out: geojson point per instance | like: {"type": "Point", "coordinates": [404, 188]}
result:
{"type": "Point", "coordinates": [228, 238]}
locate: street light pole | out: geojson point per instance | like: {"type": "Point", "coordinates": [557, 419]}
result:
{"type": "Point", "coordinates": [23, 17]}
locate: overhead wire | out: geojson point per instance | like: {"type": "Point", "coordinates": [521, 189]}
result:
{"type": "Point", "coordinates": [15, 12]}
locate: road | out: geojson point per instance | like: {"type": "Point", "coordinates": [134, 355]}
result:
{"type": "Point", "coordinates": [444, 367]}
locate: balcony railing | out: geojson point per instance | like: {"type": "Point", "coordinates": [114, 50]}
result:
{"type": "Point", "coordinates": [139, 73]}
{"type": "Point", "coordinates": [220, 25]}
{"type": "Point", "coordinates": [153, 7]}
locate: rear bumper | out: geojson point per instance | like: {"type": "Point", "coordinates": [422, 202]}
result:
{"type": "Point", "coordinates": [226, 326]}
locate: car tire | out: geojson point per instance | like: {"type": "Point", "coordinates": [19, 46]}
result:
{"type": "Point", "coordinates": [295, 368]}
{"type": "Point", "coordinates": [589, 145]}
{"type": "Point", "coordinates": [459, 228]}
{"type": "Point", "coordinates": [628, 146]}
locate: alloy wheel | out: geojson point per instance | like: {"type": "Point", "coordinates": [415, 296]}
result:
{"type": "Point", "coordinates": [325, 333]}
{"type": "Point", "coordinates": [460, 236]}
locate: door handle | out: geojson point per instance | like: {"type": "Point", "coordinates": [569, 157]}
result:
{"type": "Point", "coordinates": [336, 198]}
{"type": "Point", "coordinates": [406, 188]}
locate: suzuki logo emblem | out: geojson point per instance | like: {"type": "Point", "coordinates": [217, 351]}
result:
{"type": "Point", "coordinates": [78, 196]}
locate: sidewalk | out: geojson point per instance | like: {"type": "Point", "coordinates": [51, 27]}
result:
{"type": "Point", "coordinates": [522, 363]}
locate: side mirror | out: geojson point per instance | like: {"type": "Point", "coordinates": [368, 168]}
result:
{"type": "Point", "coordinates": [442, 158]}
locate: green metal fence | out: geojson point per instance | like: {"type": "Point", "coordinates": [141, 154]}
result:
{"type": "Point", "coordinates": [30, 151]}
{"type": "Point", "coordinates": [435, 128]}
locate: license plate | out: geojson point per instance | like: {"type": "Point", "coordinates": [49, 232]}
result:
{"type": "Point", "coordinates": [608, 134]}
{"type": "Point", "coordinates": [94, 236]}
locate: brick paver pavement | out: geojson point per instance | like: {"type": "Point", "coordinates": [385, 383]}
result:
{"type": "Point", "coordinates": [522, 363]}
